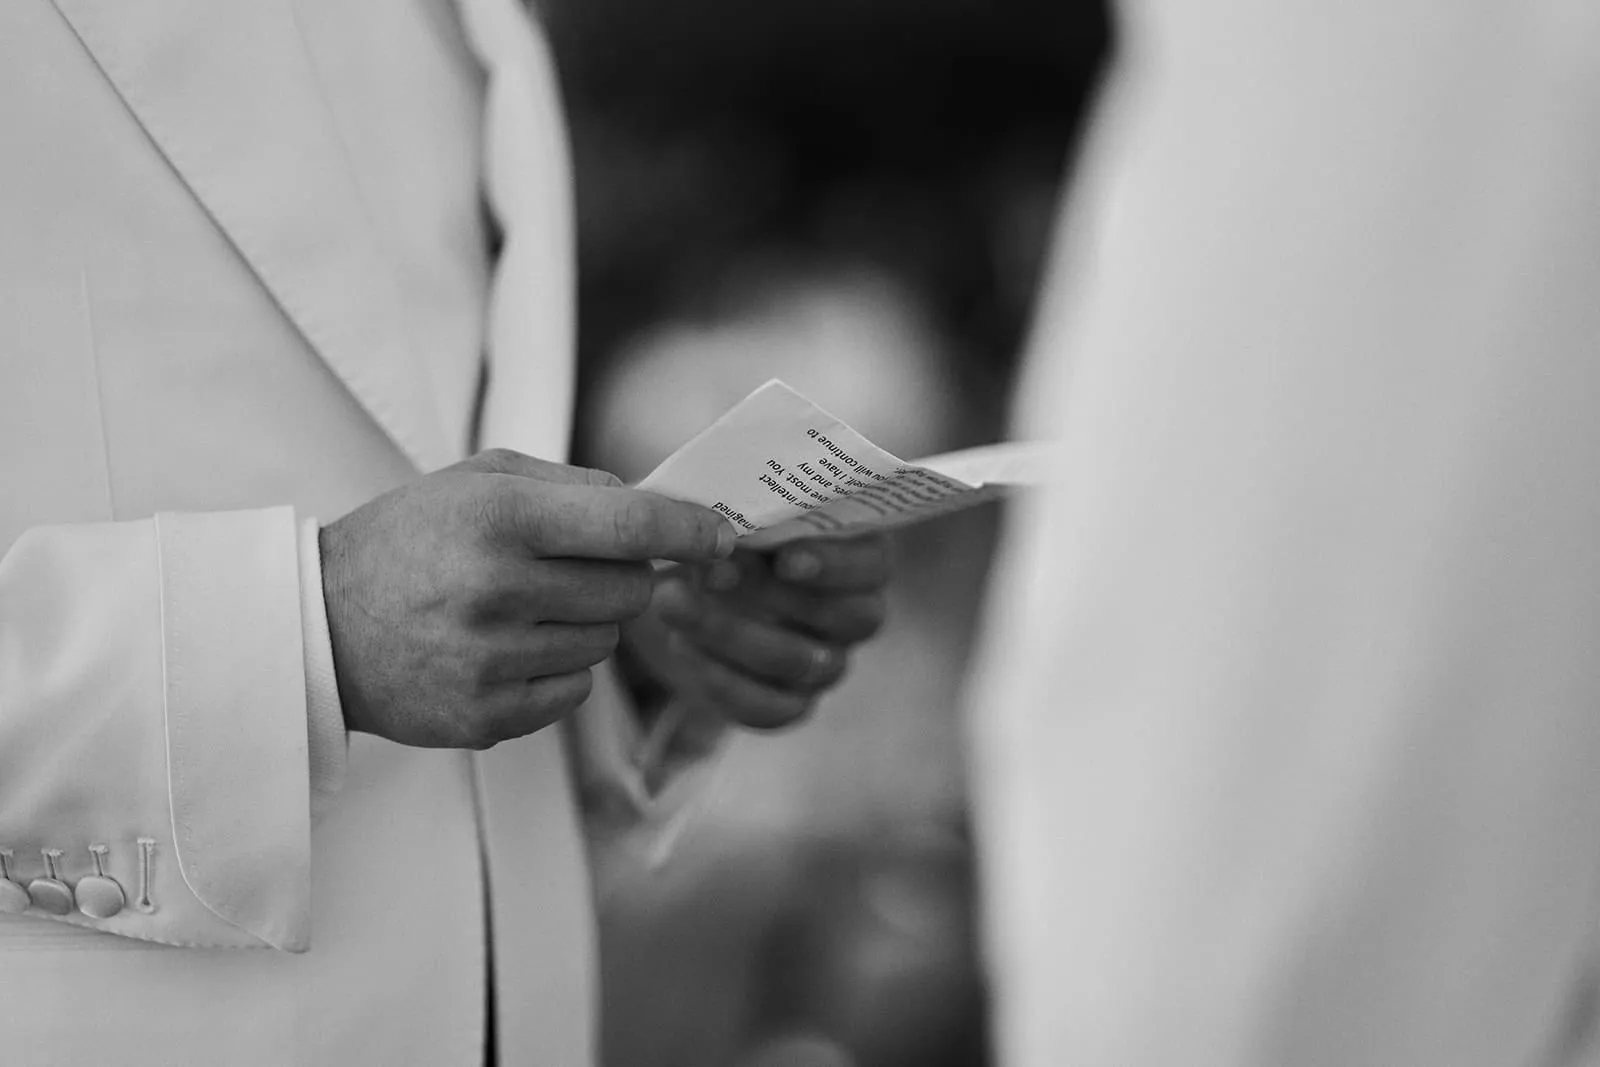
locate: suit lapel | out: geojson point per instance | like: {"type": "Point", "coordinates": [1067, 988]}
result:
{"type": "Point", "coordinates": [228, 93]}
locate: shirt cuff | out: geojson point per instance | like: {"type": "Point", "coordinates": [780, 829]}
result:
{"type": "Point", "coordinates": [326, 737]}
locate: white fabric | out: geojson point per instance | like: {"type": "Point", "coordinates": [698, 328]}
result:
{"type": "Point", "coordinates": [327, 742]}
{"type": "Point", "coordinates": [1288, 738]}
{"type": "Point", "coordinates": [533, 305]}
{"type": "Point", "coordinates": [243, 283]}
{"type": "Point", "coordinates": [532, 838]}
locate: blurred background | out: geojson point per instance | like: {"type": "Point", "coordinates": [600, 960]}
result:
{"type": "Point", "coordinates": [854, 196]}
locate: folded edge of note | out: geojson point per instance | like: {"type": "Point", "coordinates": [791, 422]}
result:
{"type": "Point", "coordinates": [779, 468]}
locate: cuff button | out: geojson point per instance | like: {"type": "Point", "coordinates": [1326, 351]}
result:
{"type": "Point", "coordinates": [50, 893]}
{"type": "Point", "coordinates": [14, 899]}
{"type": "Point", "coordinates": [99, 896]}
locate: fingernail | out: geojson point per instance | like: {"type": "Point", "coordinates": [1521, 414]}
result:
{"type": "Point", "coordinates": [722, 576]}
{"type": "Point", "coordinates": [798, 566]}
{"type": "Point", "coordinates": [726, 539]}
{"type": "Point", "coordinates": [821, 659]}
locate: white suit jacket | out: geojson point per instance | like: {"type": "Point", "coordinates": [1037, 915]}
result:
{"type": "Point", "coordinates": [244, 283]}
{"type": "Point", "coordinates": [1288, 738]}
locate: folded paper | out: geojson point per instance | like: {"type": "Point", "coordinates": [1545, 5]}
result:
{"type": "Point", "coordinates": [781, 468]}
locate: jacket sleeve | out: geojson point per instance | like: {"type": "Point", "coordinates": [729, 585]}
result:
{"type": "Point", "coordinates": [153, 727]}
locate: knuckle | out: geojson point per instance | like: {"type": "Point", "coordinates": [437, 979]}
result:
{"type": "Point", "coordinates": [598, 641]}
{"type": "Point", "coordinates": [576, 691]}
{"type": "Point", "coordinates": [599, 478]}
{"type": "Point", "coordinates": [485, 593]}
{"type": "Point", "coordinates": [494, 505]}
{"type": "Point", "coordinates": [675, 601]}
{"type": "Point", "coordinates": [635, 526]}
{"type": "Point", "coordinates": [498, 460]}
{"type": "Point", "coordinates": [634, 593]}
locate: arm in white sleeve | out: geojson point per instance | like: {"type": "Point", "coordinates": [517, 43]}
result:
{"type": "Point", "coordinates": [1288, 742]}
{"type": "Point", "coordinates": [638, 801]}
{"type": "Point", "coordinates": [153, 700]}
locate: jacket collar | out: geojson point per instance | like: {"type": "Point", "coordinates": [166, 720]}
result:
{"type": "Point", "coordinates": [228, 93]}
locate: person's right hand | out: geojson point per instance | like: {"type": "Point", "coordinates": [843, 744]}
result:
{"type": "Point", "coordinates": [467, 607]}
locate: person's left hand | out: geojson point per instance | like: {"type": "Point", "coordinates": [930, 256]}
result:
{"type": "Point", "coordinates": [756, 638]}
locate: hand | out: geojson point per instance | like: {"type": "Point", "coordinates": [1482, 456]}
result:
{"type": "Point", "coordinates": [758, 637]}
{"type": "Point", "coordinates": [467, 607]}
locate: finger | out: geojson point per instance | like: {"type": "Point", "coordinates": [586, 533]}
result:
{"type": "Point", "coordinates": [834, 618]}
{"type": "Point", "coordinates": [854, 565]}
{"type": "Point", "coordinates": [538, 703]}
{"type": "Point", "coordinates": [555, 648]}
{"type": "Point", "coordinates": [717, 687]}
{"type": "Point", "coordinates": [741, 570]}
{"type": "Point", "coordinates": [589, 591]}
{"type": "Point", "coordinates": [598, 522]}
{"type": "Point", "coordinates": [512, 655]}
{"type": "Point", "coordinates": [507, 461]}
{"type": "Point", "coordinates": [768, 653]}
{"type": "Point", "coordinates": [518, 591]}
{"type": "Point", "coordinates": [841, 620]}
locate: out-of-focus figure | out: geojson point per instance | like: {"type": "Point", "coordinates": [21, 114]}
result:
{"type": "Point", "coordinates": [1289, 734]}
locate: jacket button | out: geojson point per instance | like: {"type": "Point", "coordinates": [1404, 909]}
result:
{"type": "Point", "coordinates": [50, 893]}
{"type": "Point", "coordinates": [99, 896]}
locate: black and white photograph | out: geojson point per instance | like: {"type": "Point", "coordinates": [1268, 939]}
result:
{"type": "Point", "coordinates": [799, 533]}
